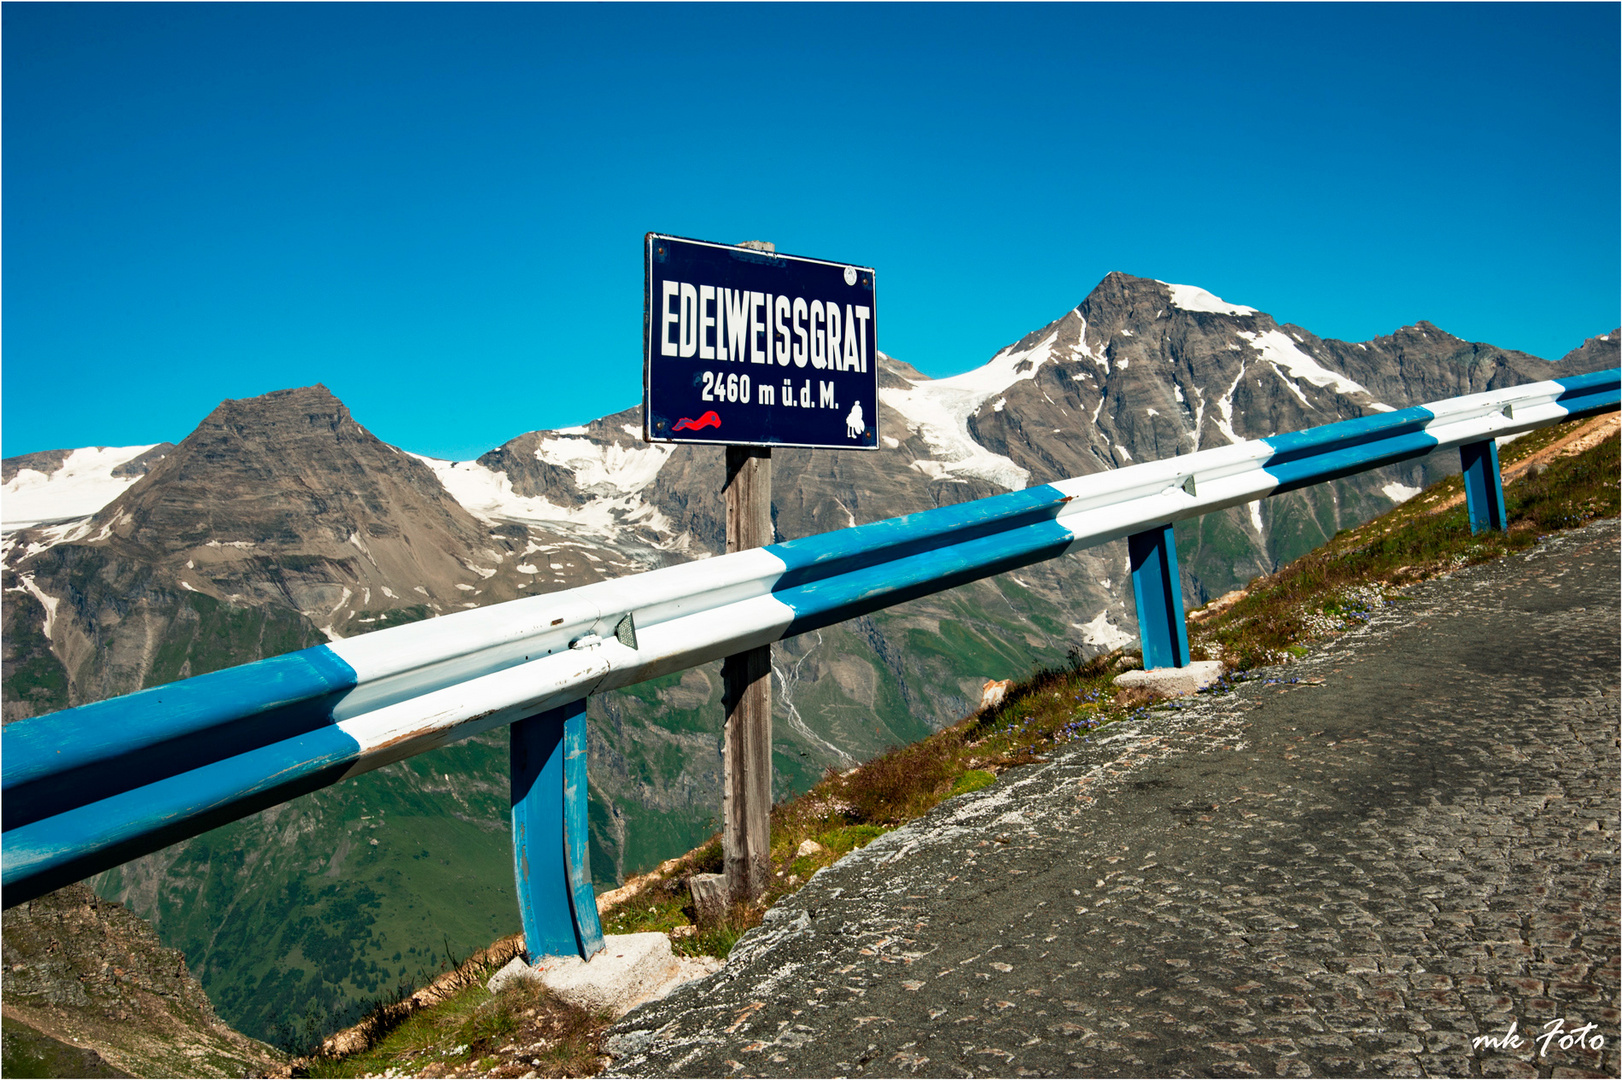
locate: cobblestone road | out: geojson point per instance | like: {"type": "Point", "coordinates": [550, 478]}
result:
{"type": "Point", "coordinates": [1360, 873]}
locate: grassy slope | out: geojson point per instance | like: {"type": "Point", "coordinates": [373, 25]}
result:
{"type": "Point", "coordinates": [655, 751]}
{"type": "Point", "coordinates": [1418, 539]}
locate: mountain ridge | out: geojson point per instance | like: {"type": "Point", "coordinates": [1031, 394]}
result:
{"type": "Point", "coordinates": [282, 522]}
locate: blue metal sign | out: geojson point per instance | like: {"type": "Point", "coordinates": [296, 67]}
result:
{"type": "Point", "coordinates": [751, 348]}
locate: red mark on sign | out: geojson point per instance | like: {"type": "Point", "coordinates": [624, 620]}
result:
{"type": "Point", "coordinates": [709, 419]}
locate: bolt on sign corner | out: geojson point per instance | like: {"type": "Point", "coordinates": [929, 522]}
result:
{"type": "Point", "coordinates": [752, 348]}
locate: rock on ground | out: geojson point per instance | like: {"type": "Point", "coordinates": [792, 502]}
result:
{"type": "Point", "coordinates": [1174, 682]}
{"type": "Point", "coordinates": [631, 969]}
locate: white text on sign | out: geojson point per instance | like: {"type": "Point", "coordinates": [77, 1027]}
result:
{"type": "Point", "coordinates": [732, 387]}
{"type": "Point", "coordinates": [739, 326]}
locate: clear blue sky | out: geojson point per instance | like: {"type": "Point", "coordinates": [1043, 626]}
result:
{"type": "Point", "coordinates": [438, 211]}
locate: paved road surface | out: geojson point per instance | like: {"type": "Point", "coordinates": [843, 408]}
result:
{"type": "Point", "coordinates": [1356, 874]}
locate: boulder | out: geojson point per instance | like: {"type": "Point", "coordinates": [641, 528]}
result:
{"type": "Point", "coordinates": [1173, 682]}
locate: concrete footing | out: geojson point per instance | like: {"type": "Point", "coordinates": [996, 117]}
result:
{"type": "Point", "coordinates": [1174, 682]}
{"type": "Point", "coordinates": [631, 969]}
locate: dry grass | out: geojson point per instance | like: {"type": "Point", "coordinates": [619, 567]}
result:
{"type": "Point", "coordinates": [846, 811]}
{"type": "Point", "coordinates": [522, 1031]}
{"type": "Point", "coordinates": [1342, 583]}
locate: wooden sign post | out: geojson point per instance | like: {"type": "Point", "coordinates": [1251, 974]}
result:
{"type": "Point", "coordinates": [750, 349]}
{"type": "Point", "coordinates": [746, 677]}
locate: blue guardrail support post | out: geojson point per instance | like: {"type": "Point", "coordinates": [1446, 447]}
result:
{"type": "Point", "coordinates": [1159, 595]}
{"type": "Point", "coordinates": [1483, 485]}
{"type": "Point", "coordinates": [550, 853]}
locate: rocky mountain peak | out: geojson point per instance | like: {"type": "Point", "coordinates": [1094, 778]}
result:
{"type": "Point", "coordinates": [285, 415]}
{"type": "Point", "coordinates": [281, 519]}
{"type": "Point", "coordinates": [1601, 351]}
{"type": "Point", "coordinates": [1123, 301]}
{"type": "Point", "coordinates": [1420, 332]}
{"type": "Point", "coordinates": [286, 468]}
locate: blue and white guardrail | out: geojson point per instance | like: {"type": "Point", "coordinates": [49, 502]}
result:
{"type": "Point", "coordinates": [89, 788]}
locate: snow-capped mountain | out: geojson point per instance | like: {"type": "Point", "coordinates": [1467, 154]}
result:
{"type": "Point", "coordinates": [281, 522]}
{"type": "Point", "coordinates": [284, 502]}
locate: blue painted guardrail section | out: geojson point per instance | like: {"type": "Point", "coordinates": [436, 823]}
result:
{"type": "Point", "coordinates": [89, 788]}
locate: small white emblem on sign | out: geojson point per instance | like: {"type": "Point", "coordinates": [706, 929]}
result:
{"type": "Point", "coordinates": [854, 423]}
{"type": "Point", "coordinates": [850, 275]}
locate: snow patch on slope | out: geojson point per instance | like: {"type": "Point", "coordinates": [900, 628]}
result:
{"type": "Point", "coordinates": [1293, 387]}
{"type": "Point", "coordinates": [46, 600]}
{"type": "Point", "coordinates": [488, 494]}
{"type": "Point", "coordinates": [596, 466]}
{"type": "Point", "coordinates": [1277, 349]}
{"type": "Point", "coordinates": [1194, 298]}
{"type": "Point", "coordinates": [1399, 493]}
{"type": "Point", "coordinates": [1224, 421]}
{"type": "Point", "coordinates": [1199, 415]}
{"type": "Point", "coordinates": [46, 536]}
{"type": "Point", "coordinates": [1082, 349]}
{"type": "Point", "coordinates": [938, 412]}
{"type": "Point", "coordinates": [81, 486]}
{"type": "Point", "coordinates": [1103, 633]}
